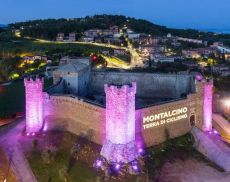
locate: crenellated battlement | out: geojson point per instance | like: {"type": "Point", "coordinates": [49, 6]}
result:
{"type": "Point", "coordinates": [125, 89]}
{"type": "Point", "coordinates": [33, 82]}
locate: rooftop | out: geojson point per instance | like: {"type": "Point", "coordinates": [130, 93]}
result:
{"type": "Point", "coordinates": [72, 67]}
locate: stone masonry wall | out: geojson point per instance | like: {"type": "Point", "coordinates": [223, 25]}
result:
{"type": "Point", "coordinates": [160, 133]}
{"type": "Point", "coordinates": [81, 118]}
{"type": "Point", "coordinates": [74, 115]}
{"type": "Point", "coordinates": [149, 85]}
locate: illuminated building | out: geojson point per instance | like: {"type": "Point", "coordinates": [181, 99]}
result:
{"type": "Point", "coordinates": [207, 108]}
{"type": "Point", "coordinates": [34, 104]}
{"type": "Point", "coordinates": [120, 124]}
{"type": "Point", "coordinates": [124, 112]}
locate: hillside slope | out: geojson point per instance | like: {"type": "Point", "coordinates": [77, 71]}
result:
{"type": "Point", "coordinates": [49, 28]}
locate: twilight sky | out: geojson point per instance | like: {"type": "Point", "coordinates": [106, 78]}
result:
{"type": "Point", "coordinates": [201, 14]}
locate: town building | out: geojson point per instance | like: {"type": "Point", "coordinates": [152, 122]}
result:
{"type": "Point", "coordinates": [92, 33]}
{"type": "Point", "coordinates": [200, 52]}
{"type": "Point", "coordinates": [163, 59]}
{"type": "Point", "coordinates": [216, 44]}
{"type": "Point", "coordinates": [190, 64]}
{"type": "Point", "coordinates": [160, 40]}
{"type": "Point", "coordinates": [72, 37]}
{"type": "Point", "coordinates": [50, 70]}
{"type": "Point", "coordinates": [227, 56]}
{"type": "Point", "coordinates": [120, 52]}
{"type": "Point", "coordinates": [72, 60]}
{"type": "Point", "coordinates": [134, 36]}
{"type": "Point", "coordinates": [195, 41]}
{"type": "Point", "coordinates": [151, 50]}
{"type": "Point", "coordinates": [111, 31]}
{"type": "Point", "coordinates": [145, 39]}
{"type": "Point", "coordinates": [221, 69]}
{"type": "Point", "coordinates": [60, 37]}
{"type": "Point", "coordinates": [31, 59]}
{"type": "Point", "coordinates": [87, 39]}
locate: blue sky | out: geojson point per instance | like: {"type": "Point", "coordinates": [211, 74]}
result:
{"type": "Point", "coordinates": [201, 14]}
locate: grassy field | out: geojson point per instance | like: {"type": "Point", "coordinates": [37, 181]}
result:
{"type": "Point", "coordinates": [22, 46]}
{"type": "Point", "coordinates": [45, 171]}
{"type": "Point", "coordinates": [79, 168]}
{"type": "Point", "coordinates": [12, 97]}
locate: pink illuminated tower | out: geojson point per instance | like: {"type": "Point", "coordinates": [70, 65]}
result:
{"type": "Point", "coordinates": [207, 106]}
{"type": "Point", "coordinates": [34, 102]}
{"type": "Point", "coordinates": [120, 124]}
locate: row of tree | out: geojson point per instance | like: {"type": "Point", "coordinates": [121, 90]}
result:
{"type": "Point", "coordinates": [48, 29]}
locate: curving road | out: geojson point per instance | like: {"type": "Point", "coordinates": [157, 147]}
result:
{"type": "Point", "coordinates": [136, 60]}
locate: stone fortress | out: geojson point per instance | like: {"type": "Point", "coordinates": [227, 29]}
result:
{"type": "Point", "coordinates": [123, 111]}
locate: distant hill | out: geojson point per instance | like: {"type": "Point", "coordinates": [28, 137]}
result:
{"type": "Point", "coordinates": [221, 31]}
{"type": "Point", "coordinates": [49, 28]}
{"type": "Point", "coordinates": [2, 25]}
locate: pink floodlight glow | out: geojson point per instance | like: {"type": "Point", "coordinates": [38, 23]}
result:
{"type": "Point", "coordinates": [98, 164]}
{"type": "Point", "coordinates": [227, 103]}
{"type": "Point", "coordinates": [117, 166]}
{"type": "Point", "coordinates": [34, 102]}
{"type": "Point", "coordinates": [135, 167]}
{"type": "Point", "coordinates": [207, 107]}
{"type": "Point", "coordinates": [140, 150]}
{"type": "Point", "coordinates": [120, 114]}
{"type": "Point", "coordinates": [120, 143]}
{"type": "Point", "coordinates": [45, 128]}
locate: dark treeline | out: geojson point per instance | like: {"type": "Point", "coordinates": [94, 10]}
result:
{"type": "Point", "coordinates": [48, 29]}
{"type": "Point", "coordinates": [1, 30]}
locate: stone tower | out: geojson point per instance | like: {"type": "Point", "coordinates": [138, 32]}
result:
{"type": "Point", "coordinates": [207, 105]}
{"type": "Point", "coordinates": [120, 124]}
{"type": "Point", "coordinates": [34, 104]}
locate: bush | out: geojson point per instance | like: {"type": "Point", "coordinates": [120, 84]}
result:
{"type": "Point", "coordinates": [34, 144]}
{"type": "Point", "coordinates": [63, 175]}
{"type": "Point", "coordinates": [48, 154]}
{"type": "Point", "coordinates": [46, 157]}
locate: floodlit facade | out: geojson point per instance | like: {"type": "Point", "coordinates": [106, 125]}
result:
{"type": "Point", "coordinates": [124, 112]}
{"type": "Point", "coordinates": [120, 143]}
{"type": "Point", "coordinates": [34, 104]}
{"type": "Point", "coordinates": [207, 108]}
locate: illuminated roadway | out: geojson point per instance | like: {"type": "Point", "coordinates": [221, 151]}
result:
{"type": "Point", "coordinates": [136, 60]}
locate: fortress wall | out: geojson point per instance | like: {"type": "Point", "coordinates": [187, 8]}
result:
{"type": "Point", "coordinates": [149, 85]}
{"type": "Point", "coordinates": [160, 133]}
{"type": "Point", "coordinates": [76, 116]}
{"type": "Point", "coordinates": [81, 118]}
